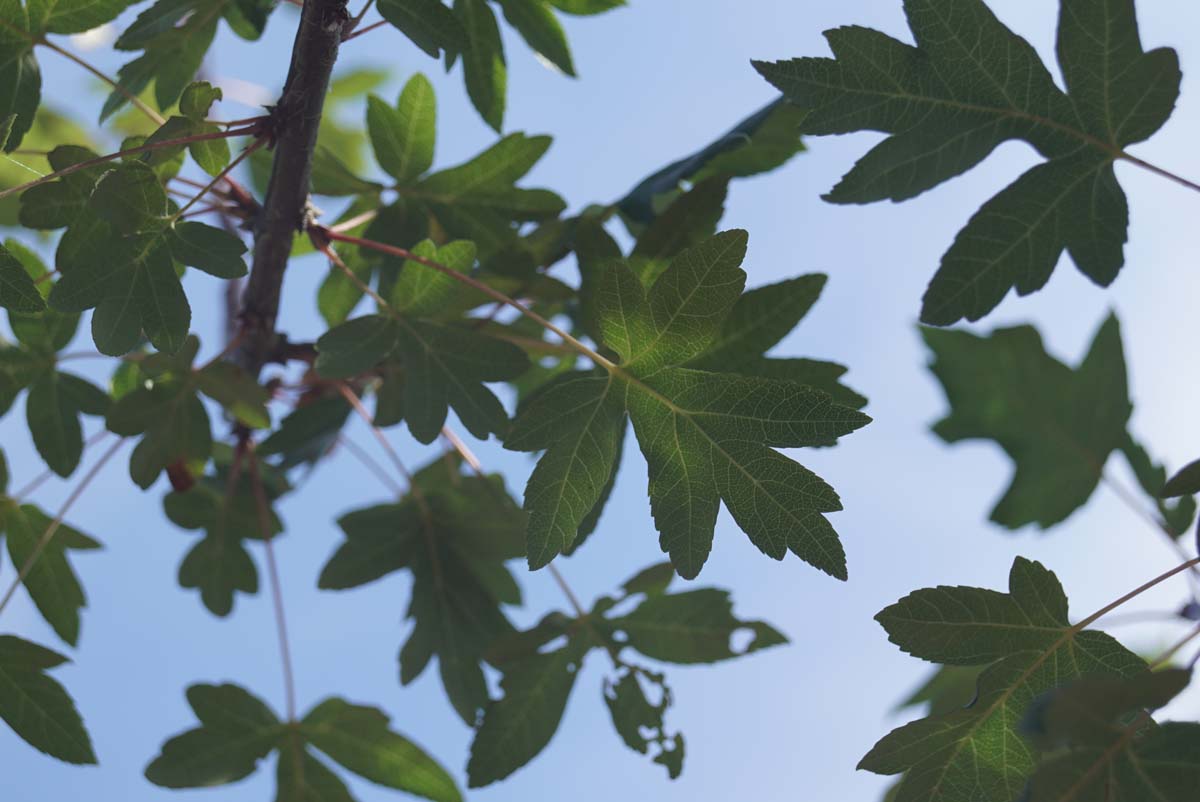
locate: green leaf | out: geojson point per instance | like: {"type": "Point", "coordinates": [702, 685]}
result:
{"type": "Point", "coordinates": [171, 58]}
{"type": "Point", "coordinates": [541, 31]}
{"type": "Point", "coordinates": [763, 141]}
{"type": "Point", "coordinates": [236, 731]}
{"type": "Point", "coordinates": [73, 16]}
{"type": "Point", "coordinates": [37, 708]}
{"type": "Point", "coordinates": [1186, 482]}
{"type": "Point", "coordinates": [130, 198]}
{"type": "Point", "coordinates": [51, 582]}
{"type": "Point", "coordinates": [212, 250]}
{"type": "Point", "coordinates": [1110, 752]}
{"type": "Point", "coordinates": [52, 410]}
{"type": "Point", "coordinates": [1058, 424]}
{"type": "Point", "coordinates": [641, 723]}
{"type": "Point", "coordinates": [520, 724]}
{"type": "Point", "coordinates": [586, 7]}
{"type": "Point", "coordinates": [483, 61]}
{"type": "Point", "coordinates": [237, 391]}
{"type": "Point", "coordinates": [359, 739]}
{"type": "Point", "coordinates": [454, 537]}
{"type": "Point", "coordinates": [428, 23]}
{"type": "Point", "coordinates": [17, 290]}
{"type": "Point", "coordinates": [133, 286]}
{"type": "Point", "coordinates": [20, 77]}
{"type": "Point", "coordinates": [197, 99]}
{"type": "Point", "coordinates": [403, 137]}
{"type": "Point", "coordinates": [969, 85]}
{"type": "Point", "coordinates": [219, 565]}
{"type": "Point", "coordinates": [707, 436]}
{"type": "Point", "coordinates": [1029, 646]}
{"type": "Point", "coordinates": [356, 346]}
{"type": "Point", "coordinates": [300, 777]}
{"type": "Point", "coordinates": [174, 425]}
{"type": "Point", "coordinates": [691, 627]}
{"type": "Point", "coordinates": [422, 291]}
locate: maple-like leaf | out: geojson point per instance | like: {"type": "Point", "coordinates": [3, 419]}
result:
{"type": "Point", "coordinates": [236, 730]}
{"type": "Point", "coordinates": [1058, 424]}
{"type": "Point", "coordinates": [690, 627]}
{"type": "Point", "coordinates": [453, 533]}
{"type": "Point", "coordinates": [1027, 641]}
{"type": "Point", "coordinates": [969, 85]}
{"type": "Point", "coordinates": [708, 436]}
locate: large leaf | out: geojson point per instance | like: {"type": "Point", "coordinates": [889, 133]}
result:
{"type": "Point", "coordinates": [1058, 424]}
{"type": "Point", "coordinates": [969, 85]}
{"type": "Point", "coordinates": [707, 436]}
{"type": "Point", "coordinates": [1029, 646]}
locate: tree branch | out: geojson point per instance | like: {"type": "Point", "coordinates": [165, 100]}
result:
{"type": "Point", "coordinates": [295, 122]}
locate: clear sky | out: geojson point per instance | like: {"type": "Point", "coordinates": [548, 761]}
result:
{"type": "Point", "coordinates": [660, 78]}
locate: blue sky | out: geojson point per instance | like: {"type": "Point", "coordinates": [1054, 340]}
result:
{"type": "Point", "coordinates": [660, 78]}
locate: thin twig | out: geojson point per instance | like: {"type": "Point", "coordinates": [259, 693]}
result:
{"type": "Point", "coordinates": [253, 146]}
{"type": "Point", "coordinates": [492, 293]}
{"type": "Point", "coordinates": [164, 143]}
{"type": "Point", "coordinates": [361, 31]}
{"type": "Point", "coordinates": [55, 524]}
{"type": "Point", "coordinates": [41, 478]}
{"type": "Point", "coordinates": [371, 464]}
{"type": "Point", "coordinates": [357, 404]}
{"type": "Point", "coordinates": [1170, 653]}
{"type": "Point", "coordinates": [268, 535]}
{"type": "Point", "coordinates": [157, 118]}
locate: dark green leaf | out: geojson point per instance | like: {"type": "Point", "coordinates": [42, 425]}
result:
{"type": "Point", "coordinates": [969, 85]}
{"type": "Point", "coordinates": [1058, 424]}
{"type": "Point", "coordinates": [707, 436]}
{"type": "Point", "coordinates": [36, 706]}
{"type": "Point", "coordinates": [520, 724]}
{"type": "Point", "coordinates": [541, 31]}
{"type": "Point", "coordinates": [428, 23]}
{"type": "Point", "coordinates": [1026, 639]}
{"type": "Point", "coordinates": [1185, 482]}
{"type": "Point", "coordinates": [17, 290]}
{"type": "Point", "coordinates": [691, 627]}
{"type": "Point", "coordinates": [212, 250]}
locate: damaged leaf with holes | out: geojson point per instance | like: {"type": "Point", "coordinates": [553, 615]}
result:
{"type": "Point", "coordinates": [540, 666]}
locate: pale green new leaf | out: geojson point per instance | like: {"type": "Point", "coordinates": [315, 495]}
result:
{"type": "Point", "coordinates": [403, 137]}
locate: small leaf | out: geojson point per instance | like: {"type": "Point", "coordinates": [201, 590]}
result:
{"type": "Point", "coordinates": [403, 137]}
{"type": "Point", "coordinates": [691, 627]}
{"type": "Point", "coordinates": [212, 250]}
{"type": "Point", "coordinates": [359, 738]}
{"type": "Point", "coordinates": [430, 25]}
{"type": "Point", "coordinates": [483, 61]}
{"type": "Point", "coordinates": [17, 290]}
{"type": "Point", "coordinates": [197, 99]}
{"type": "Point", "coordinates": [1186, 482]}
{"type": "Point", "coordinates": [36, 706]}
{"type": "Point", "coordinates": [540, 30]}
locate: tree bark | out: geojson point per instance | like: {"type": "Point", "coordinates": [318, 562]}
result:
{"type": "Point", "coordinates": [295, 122]}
